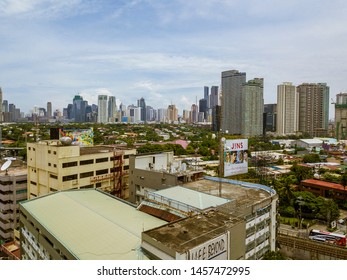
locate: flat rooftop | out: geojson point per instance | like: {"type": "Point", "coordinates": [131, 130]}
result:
{"type": "Point", "coordinates": [242, 193]}
{"type": "Point", "coordinates": [93, 225]}
{"type": "Point", "coordinates": [194, 198]}
{"type": "Point", "coordinates": [190, 232]}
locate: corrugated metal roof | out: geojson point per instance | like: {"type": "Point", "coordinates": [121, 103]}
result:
{"type": "Point", "coordinates": [191, 197]}
{"type": "Point", "coordinates": [93, 225]}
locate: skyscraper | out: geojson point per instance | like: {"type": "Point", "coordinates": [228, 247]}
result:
{"type": "Point", "coordinates": [112, 108]}
{"type": "Point", "coordinates": [313, 109]}
{"type": "Point", "coordinates": [1, 114]}
{"type": "Point", "coordinates": [341, 116]}
{"type": "Point", "coordinates": [207, 96]}
{"type": "Point", "coordinates": [270, 117]}
{"type": "Point", "coordinates": [79, 109]}
{"type": "Point", "coordinates": [142, 104]}
{"type": "Point", "coordinates": [252, 107]}
{"type": "Point", "coordinates": [49, 110]}
{"type": "Point", "coordinates": [232, 82]}
{"type": "Point", "coordinates": [102, 109]}
{"type": "Point", "coordinates": [287, 109]}
{"type": "Point", "coordinates": [214, 97]}
{"type": "Point", "coordinates": [172, 113]}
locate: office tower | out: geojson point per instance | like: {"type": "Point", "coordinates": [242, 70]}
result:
{"type": "Point", "coordinates": [150, 114]}
{"type": "Point", "coordinates": [287, 109]}
{"type": "Point", "coordinates": [5, 106]}
{"type": "Point", "coordinates": [49, 109]}
{"type": "Point", "coordinates": [341, 116]}
{"type": "Point", "coordinates": [142, 104]}
{"type": "Point", "coordinates": [12, 112]}
{"type": "Point", "coordinates": [232, 82]}
{"type": "Point", "coordinates": [112, 108]}
{"type": "Point", "coordinates": [252, 107]}
{"type": "Point", "coordinates": [134, 114]}
{"type": "Point", "coordinates": [78, 109]}
{"type": "Point", "coordinates": [214, 97]}
{"type": "Point", "coordinates": [313, 109]}
{"type": "Point", "coordinates": [162, 115]}
{"type": "Point", "coordinates": [172, 113]}
{"type": "Point", "coordinates": [207, 96]}
{"type": "Point", "coordinates": [270, 117]}
{"type": "Point", "coordinates": [203, 108]}
{"type": "Point", "coordinates": [194, 113]}
{"type": "Point", "coordinates": [102, 109]}
{"type": "Point", "coordinates": [185, 116]}
{"type": "Point", "coordinates": [1, 109]}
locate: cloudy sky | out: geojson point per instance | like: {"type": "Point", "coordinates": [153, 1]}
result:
{"type": "Point", "coordinates": [165, 50]}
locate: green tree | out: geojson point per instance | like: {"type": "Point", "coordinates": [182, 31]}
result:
{"type": "Point", "coordinates": [311, 158]}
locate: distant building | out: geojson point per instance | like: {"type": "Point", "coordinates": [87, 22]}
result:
{"type": "Point", "coordinates": [53, 166]}
{"type": "Point", "coordinates": [313, 109]}
{"type": "Point", "coordinates": [111, 109]}
{"type": "Point", "coordinates": [270, 117]}
{"type": "Point", "coordinates": [141, 103]}
{"type": "Point", "coordinates": [172, 113]}
{"type": "Point", "coordinates": [287, 109]}
{"type": "Point", "coordinates": [252, 108]}
{"type": "Point", "coordinates": [49, 110]}
{"type": "Point", "coordinates": [102, 109]}
{"type": "Point", "coordinates": [341, 116]}
{"type": "Point", "coordinates": [232, 82]}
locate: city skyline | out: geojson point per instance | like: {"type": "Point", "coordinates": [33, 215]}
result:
{"type": "Point", "coordinates": [165, 52]}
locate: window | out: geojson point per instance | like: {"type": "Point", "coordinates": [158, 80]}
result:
{"type": "Point", "coordinates": [126, 167]}
{"type": "Point", "coordinates": [21, 191]}
{"type": "Point", "coordinates": [53, 176]}
{"type": "Point", "coordinates": [87, 174]}
{"type": "Point", "coordinates": [85, 162]}
{"type": "Point", "coordinates": [101, 160]}
{"type": "Point", "coordinates": [49, 151]}
{"type": "Point", "coordinates": [49, 164]}
{"type": "Point", "coordinates": [33, 183]}
{"type": "Point", "coordinates": [126, 156]}
{"type": "Point", "coordinates": [69, 177]}
{"type": "Point", "coordinates": [69, 164]}
{"type": "Point", "coordinates": [100, 172]}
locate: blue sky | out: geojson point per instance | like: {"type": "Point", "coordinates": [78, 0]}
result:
{"type": "Point", "coordinates": [165, 50]}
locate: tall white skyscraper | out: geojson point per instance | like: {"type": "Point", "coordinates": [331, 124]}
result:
{"type": "Point", "coordinates": [102, 109]}
{"type": "Point", "coordinates": [287, 109]}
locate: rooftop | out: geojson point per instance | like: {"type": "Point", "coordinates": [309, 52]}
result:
{"type": "Point", "coordinates": [188, 233]}
{"type": "Point", "coordinates": [95, 225]}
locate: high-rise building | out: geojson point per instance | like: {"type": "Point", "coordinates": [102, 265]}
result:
{"type": "Point", "coordinates": [313, 109]}
{"type": "Point", "coordinates": [5, 106]}
{"type": "Point", "coordinates": [341, 116]}
{"type": "Point", "coordinates": [270, 117]}
{"type": "Point", "coordinates": [172, 113]}
{"type": "Point", "coordinates": [162, 115]}
{"type": "Point", "coordinates": [142, 104]}
{"type": "Point", "coordinates": [252, 107]}
{"type": "Point", "coordinates": [1, 109]}
{"type": "Point", "coordinates": [203, 108]}
{"type": "Point", "coordinates": [102, 109]}
{"type": "Point", "coordinates": [232, 82]}
{"type": "Point", "coordinates": [79, 109]}
{"type": "Point", "coordinates": [194, 114]}
{"type": "Point", "coordinates": [112, 108]}
{"type": "Point", "coordinates": [207, 96]}
{"type": "Point", "coordinates": [287, 109]}
{"type": "Point", "coordinates": [214, 97]}
{"type": "Point", "coordinates": [49, 110]}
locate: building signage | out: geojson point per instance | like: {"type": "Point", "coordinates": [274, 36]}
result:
{"type": "Point", "coordinates": [235, 157]}
{"type": "Point", "coordinates": [215, 249]}
{"type": "Point", "coordinates": [101, 178]}
{"type": "Point", "coordinates": [80, 137]}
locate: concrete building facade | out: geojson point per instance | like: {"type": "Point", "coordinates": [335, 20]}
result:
{"type": "Point", "coordinates": [252, 108]}
{"type": "Point", "coordinates": [54, 167]}
{"type": "Point", "coordinates": [231, 101]}
{"type": "Point", "coordinates": [287, 109]}
{"type": "Point", "coordinates": [313, 109]}
{"type": "Point", "coordinates": [341, 116]}
{"type": "Point", "coordinates": [13, 189]}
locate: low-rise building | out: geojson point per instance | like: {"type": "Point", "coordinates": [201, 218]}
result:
{"type": "Point", "coordinates": [53, 166]}
{"type": "Point", "coordinates": [13, 189]}
{"type": "Point", "coordinates": [83, 225]}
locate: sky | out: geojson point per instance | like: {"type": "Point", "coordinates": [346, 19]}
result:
{"type": "Point", "coordinates": [165, 51]}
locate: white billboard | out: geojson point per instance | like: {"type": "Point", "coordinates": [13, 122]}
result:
{"type": "Point", "coordinates": [235, 157]}
{"type": "Point", "coordinates": [214, 249]}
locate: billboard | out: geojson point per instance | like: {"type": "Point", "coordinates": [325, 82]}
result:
{"type": "Point", "coordinates": [80, 137]}
{"type": "Point", "coordinates": [235, 157]}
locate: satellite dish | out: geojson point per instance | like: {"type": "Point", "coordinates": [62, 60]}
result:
{"type": "Point", "coordinates": [6, 165]}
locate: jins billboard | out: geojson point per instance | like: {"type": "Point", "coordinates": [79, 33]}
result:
{"type": "Point", "coordinates": [235, 157]}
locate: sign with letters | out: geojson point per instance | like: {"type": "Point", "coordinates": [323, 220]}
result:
{"type": "Point", "coordinates": [214, 249]}
{"type": "Point", "coordinates": [235, 157]}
